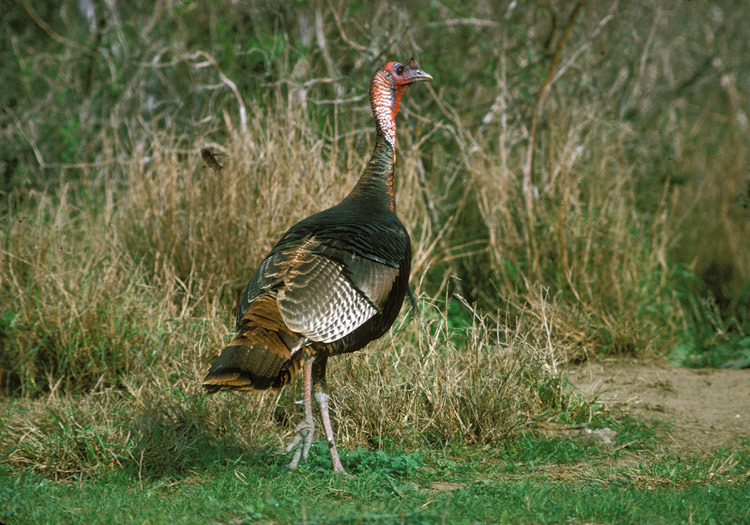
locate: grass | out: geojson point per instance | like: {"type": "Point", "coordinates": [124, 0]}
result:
{"type": "Point", "coordinates": [421, 388]}
{"type": "Point", "coordinates": [466, 485]}
{"type": "Point", "coordinates": [122, 256]}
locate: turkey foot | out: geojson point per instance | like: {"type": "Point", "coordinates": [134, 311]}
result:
{"type": "Point", "coordinates": [301, 443]}
{"type": "Point", "coordinates": [303, 434]}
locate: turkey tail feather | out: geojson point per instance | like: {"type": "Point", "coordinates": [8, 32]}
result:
{"type": "Point", "coordinates": [246, 367]}
{"type": "Point", "coordinates": [265, 354]}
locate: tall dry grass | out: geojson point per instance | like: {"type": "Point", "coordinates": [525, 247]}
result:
{"type": "Point", "coordinates": [583, 235]}
{"type": "Point", "coordinates": [420, 386]}
{"type": "Point", "coordinates": [148, 283]}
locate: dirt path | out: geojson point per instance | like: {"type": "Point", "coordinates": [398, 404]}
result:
{"type": "Point", "coordinates": [706, 407]}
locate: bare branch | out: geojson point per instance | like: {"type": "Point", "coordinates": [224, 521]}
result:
{"type": "Point", "coordinates": [47, 29]}
{"type": "Point", "coordinates": [345, 38]}
{"type": "Point", "coordinates": [529, 164]}
{"type": "Point", "coordinates": [464, 22]}
{"type": "Point", "coordinates": [226, 80]}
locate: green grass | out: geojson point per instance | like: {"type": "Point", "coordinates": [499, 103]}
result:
{"type": "Point", "coordinates": [450, 486]}
{"type": "Point", "coordinates": [726, 352]}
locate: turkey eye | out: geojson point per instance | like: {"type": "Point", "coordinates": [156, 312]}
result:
{"type": "Point", "coordinates": [400, 69]}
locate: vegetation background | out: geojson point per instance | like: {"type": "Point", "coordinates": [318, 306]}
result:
{"type": "Point", "coordinates": [576, 181]}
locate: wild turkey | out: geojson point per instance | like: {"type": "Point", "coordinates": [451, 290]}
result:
{"type": "Point", "coordinates": [333, 283]}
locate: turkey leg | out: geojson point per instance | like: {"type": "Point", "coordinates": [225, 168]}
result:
{"type": "Point", "coordinates": [303, 434]}
{"type": "Point", "coordinates": [322, 399]}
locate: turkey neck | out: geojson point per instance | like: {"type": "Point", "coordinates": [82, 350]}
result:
{"type": "Point", "coordinates": [375, 188]}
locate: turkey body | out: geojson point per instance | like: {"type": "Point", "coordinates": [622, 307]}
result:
{"type": "Point", "coordinates": [334, 281]}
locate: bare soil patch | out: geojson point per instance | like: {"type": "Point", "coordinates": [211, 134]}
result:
{"type": "Point", "coordinates": [705, 407]}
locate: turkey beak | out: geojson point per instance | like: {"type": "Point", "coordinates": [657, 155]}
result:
{"type": "Point", "coordinates": [417, 75]}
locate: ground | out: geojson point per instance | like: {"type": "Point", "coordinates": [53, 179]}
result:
{"type": "Point", "coordinates": [705, 408]}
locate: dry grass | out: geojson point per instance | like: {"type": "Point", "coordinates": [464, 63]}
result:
{"type": "Point", "coordinates": [157, 276]}
{"type": "Point", "coordinates": [422, 385]}
{"type": "Point", "coordinates": [432, 385]}
{"type": "Point", "coordinates": [584, 237]}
